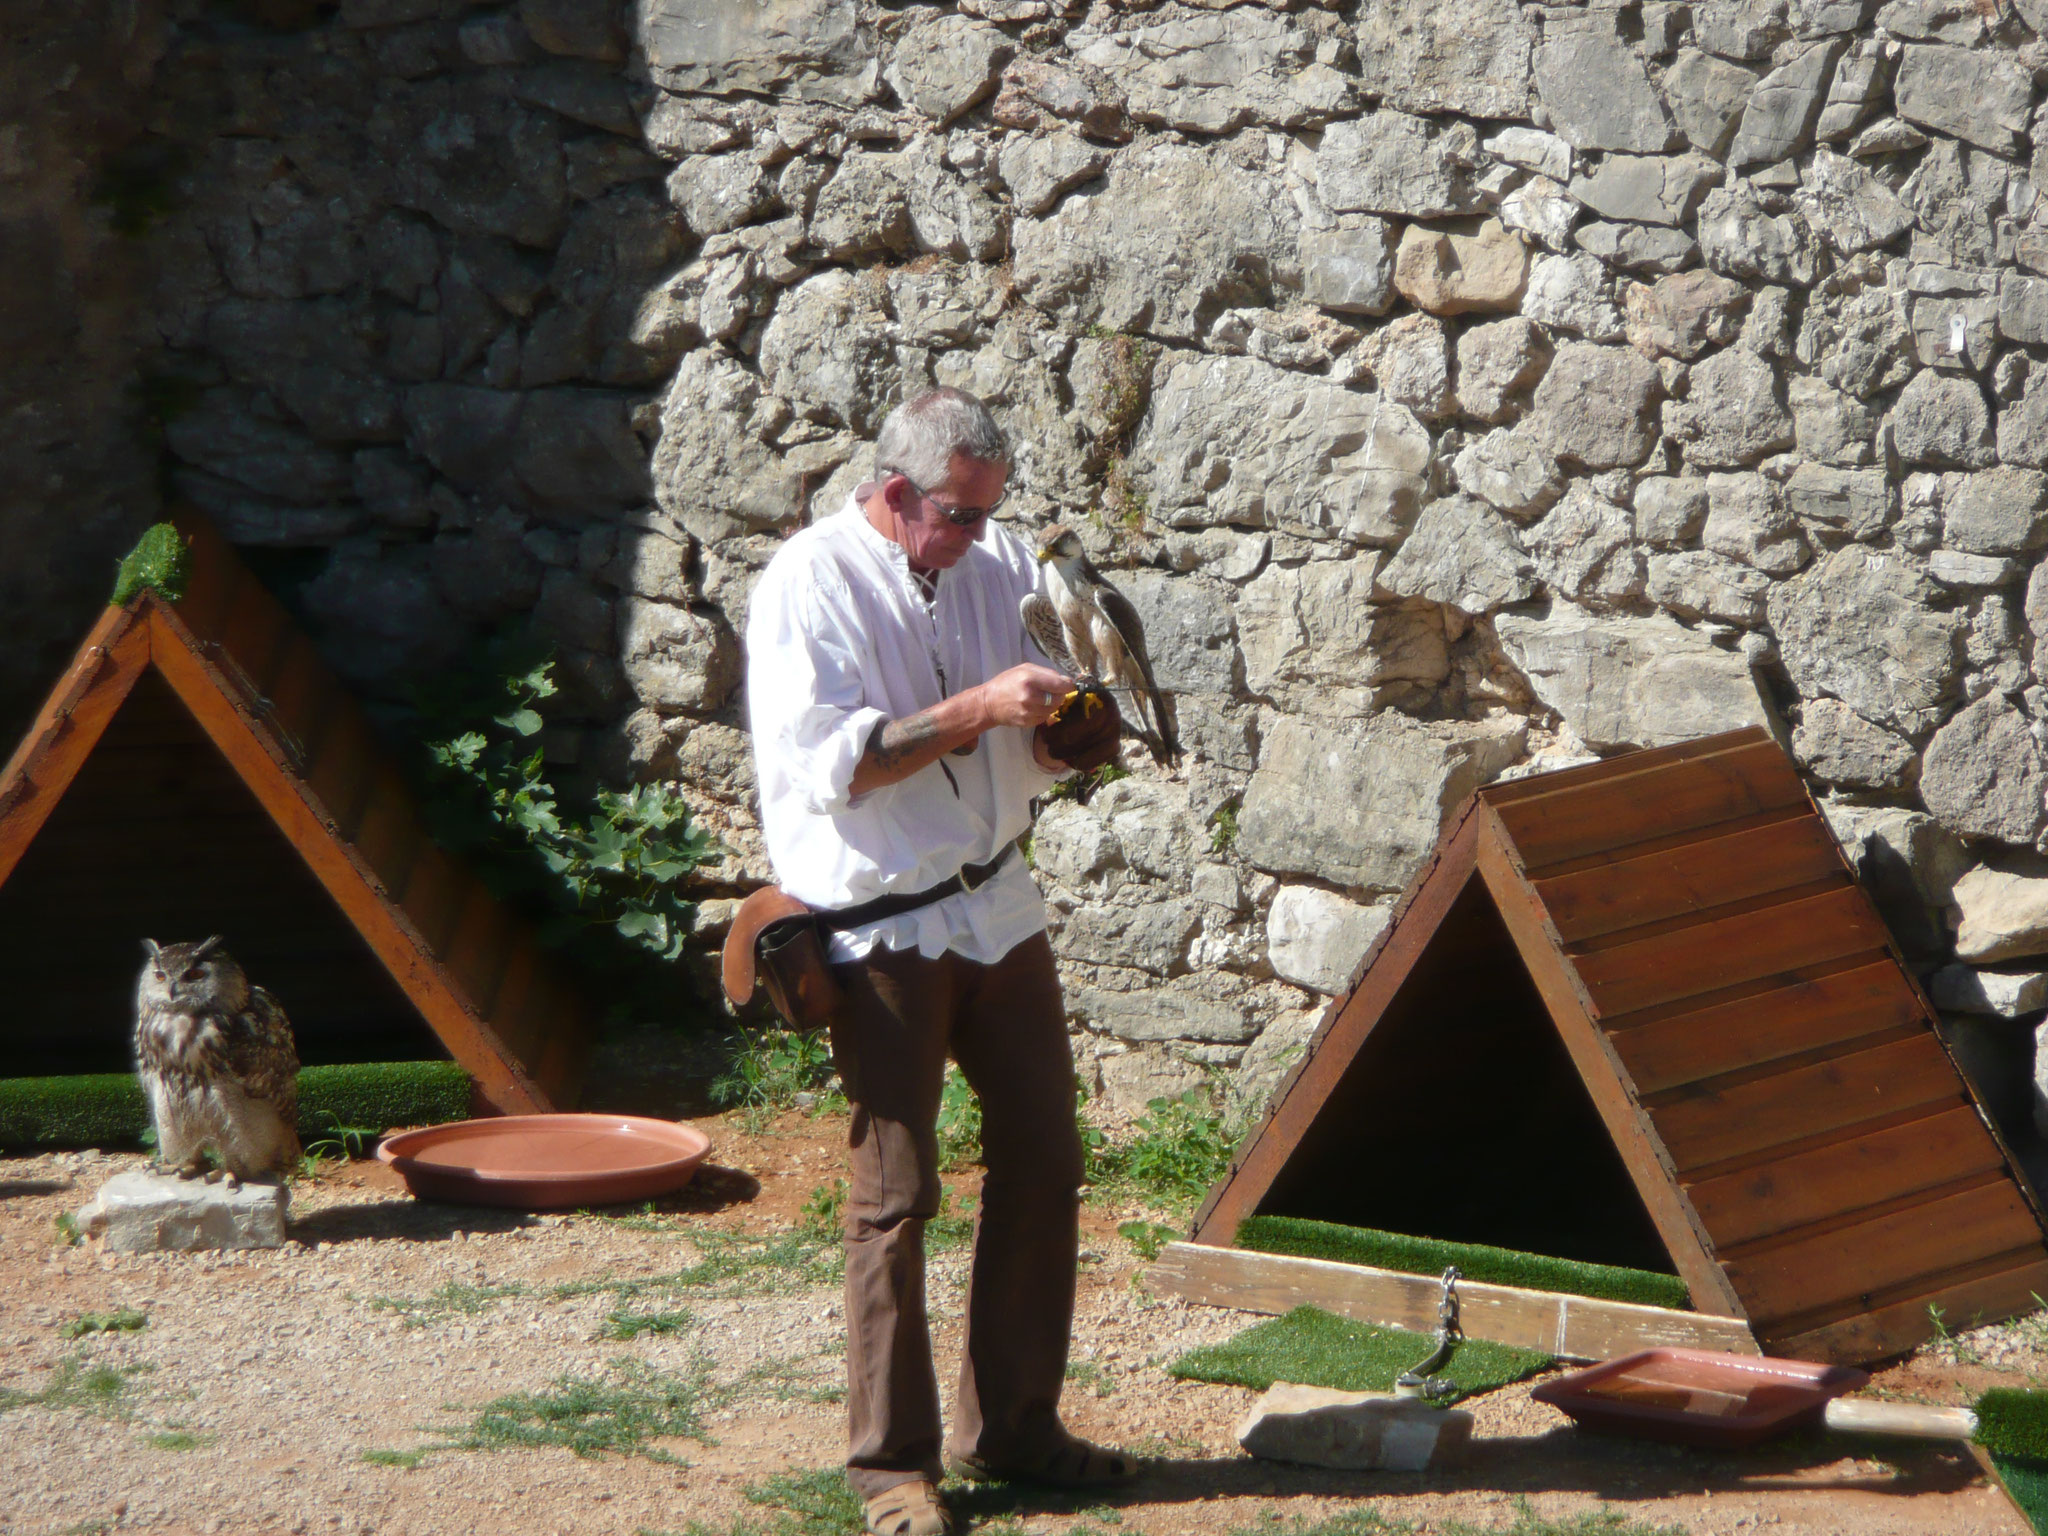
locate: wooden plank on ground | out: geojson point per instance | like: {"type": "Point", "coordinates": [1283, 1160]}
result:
{"type": "Point", "coordinates": [1845, 1176]}
{"type": "Point", "coordinates": [1703, 1126]}
{"type": "Point", "coordinates": [1691, 879]}
{"type": "Point", "coordinates": [1570, 1327]}
{"type": "Point", "coordinates": [1593, 820]}
{"type": "Point", "coordinates": [1803, 1274]}
{"type": "Point", "coordinates": [1763, 1027]}
{"type": "Point", "coordinates": [1711, 955]}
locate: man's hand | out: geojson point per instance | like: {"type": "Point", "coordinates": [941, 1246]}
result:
{"type": "Point", "coordinates": [1025, 695]}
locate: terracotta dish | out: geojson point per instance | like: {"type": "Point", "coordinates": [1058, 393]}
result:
{"type": "Point", "coordinates": [1700, 1397]}
{"type": "Point", "coordinates": [547, 1162]}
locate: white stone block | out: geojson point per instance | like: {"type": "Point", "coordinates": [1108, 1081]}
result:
{"type": "Point", "coordinates": [144, 1212]}
{"type": "Point", "coordinates": [1316, 939]}
{"type": "Point", "coordinates": [1355, 1430]}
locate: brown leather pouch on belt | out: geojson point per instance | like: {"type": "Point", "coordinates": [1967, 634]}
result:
{"type": "Point", "coordinates": [778, 941]}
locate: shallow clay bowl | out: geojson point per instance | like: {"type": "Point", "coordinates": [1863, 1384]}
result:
{"type": "Point", "coordinates": [547, 1162]}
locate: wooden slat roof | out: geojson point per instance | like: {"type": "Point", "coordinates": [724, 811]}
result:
{"type": "Point", "coordinates": [1762, 1060]}
{"type": "Point", "coordinates": [300, 743]}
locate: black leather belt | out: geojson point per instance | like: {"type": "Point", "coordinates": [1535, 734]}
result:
{"type": "Point", "coordinates": [972, 877]}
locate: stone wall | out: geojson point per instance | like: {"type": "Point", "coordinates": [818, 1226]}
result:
{"type": "Point", "coordinates": [1457, 389]}
{"type": "Point", "coordinates": [76, 172]}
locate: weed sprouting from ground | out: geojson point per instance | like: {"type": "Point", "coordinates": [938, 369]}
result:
{"type": "Point", "coordinates": [625, 1324]}
{"type": "Point", "coordinates": [768, 1070]}
{"type": "Point", "coordinates": [1147, 1237]}
{"type": "Point", "coordinates": [823, 1217]}
{"type": "Point", "coordinates": [123, 1320]}
{"type": "Point", "coordinates": [1367, 1521]}
{"type": "Point", "coordinates": [621, 1414]}
{"type": "Point", "coordinates": [791, 1381]}
{"type": "Point", "coordinates": [1177, 1149]}
{"type": "Point", "coordinates": [732, 1265]}
{"type": "Point", "coordinates": [179, 1440]}
{"type": "Point", "coordinates": [80, 1384]}
{"type": "Point", "coordinates": [1091, 1377]}
{"type": "Point", "coordinates": [67, 1229]}
{"type": "Point", "coordinates": [959, 1123]}
{"type": "Point", "coordinates": [451, 1300]}
{"type": "Point", "coordinates": [405, 1459]}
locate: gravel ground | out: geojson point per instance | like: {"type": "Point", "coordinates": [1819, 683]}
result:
{"type": "Point", "coordinates": [249, 1401]}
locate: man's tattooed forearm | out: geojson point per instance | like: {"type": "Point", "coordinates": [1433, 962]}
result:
{"type": "Point", "coordinates": [894, 741]}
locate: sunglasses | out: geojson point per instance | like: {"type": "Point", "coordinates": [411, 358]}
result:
{"type": "Point", "coordinates": [959, 517]}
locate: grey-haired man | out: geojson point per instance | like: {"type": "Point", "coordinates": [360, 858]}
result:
{"type": "Point", "coordinates": [899, 719]}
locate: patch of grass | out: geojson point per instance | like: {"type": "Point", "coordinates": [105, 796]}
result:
{"type": "Point", "coordinates": [769, 1067]}
{"type": "Point", "coordinates": [2014, 1422]}
{"type": "Point", "coordinates": [1364, 1520]}
{"type": "Point", "coordinates": [123, 1320]}
{"type": "Point", "coordinates": [734, 1264]}
{"type": "Point", "coordinates": [1176, 1150]}
{"type": "Point", "coordinates": [959, 1123]}
{"type": "Point", "coordinates": [454, 1299]}
{"type": "Point", "coordinates": [625, 1324]}
{"type": "Point", "coordinates": [77, 1383]}
{"type": "Point", "coordinates": [2027, 1481]}
{"type": "Point", "coordinates": [815, 1503]}
{"type": "Point", "coordinates": [791, 1381]}
{"type": "Point", "coordinates": [1592, 1522]}
{"type": "Point", "coordinates": [1427, 1256]}
{"type": "Point", "coordinates": [622, 1414]}
{"type": "Point", "coordinates": [1090, 1377]}
{"type": "Point", "coordinates": [1964, 1351]}
{"type": "Point", "coordinates": [1316, 1349]}
{"type": "Point", "coordinates": [179, 1440]}
{"type": "Point", "coordinates": [405, 1459]}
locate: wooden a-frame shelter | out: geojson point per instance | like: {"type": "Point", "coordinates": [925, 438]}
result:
{"type": "Point", "coordinates": [199, 769]}
{"type": "Point", "coordinates": [1640, 1012]}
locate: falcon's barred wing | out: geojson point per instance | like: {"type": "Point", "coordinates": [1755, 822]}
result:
{"type": "Point", "coordinates": [1153, 708]}
{"type": "Point", "coordinates": [1042, 624]}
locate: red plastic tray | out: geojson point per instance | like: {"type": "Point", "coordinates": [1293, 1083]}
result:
{"type": "Point", "coordinates": [1700, 1397]}
{"type": "Point", "coordinates": [544, 1162]}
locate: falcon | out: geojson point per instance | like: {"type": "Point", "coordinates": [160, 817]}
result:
{"type": "Point", "coordinates": [1104, 640]}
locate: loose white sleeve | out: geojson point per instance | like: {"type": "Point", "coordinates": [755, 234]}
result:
{"type": "Point", "coordinates": [805, 698]}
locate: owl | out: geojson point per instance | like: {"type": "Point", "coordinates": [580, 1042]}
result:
{"type": "Point", "coordinates": [216, 1059]}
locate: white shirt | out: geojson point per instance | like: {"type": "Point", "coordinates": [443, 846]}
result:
{"type": "Point", "coordinates": [839, 639]}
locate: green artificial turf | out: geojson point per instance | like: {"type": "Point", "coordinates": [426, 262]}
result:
{"type": "Point", "coordinates": [1313, 1348]}
{"type": "Point", "coordinates": [107, 1109]}
{"type": "Point", "coordinates": [1428, 1256]}
{"type": "Point", "coordinates": [2027, 1482]}
{"type": "Point", "coordinates": [2014, 1422]}
{"type": "Point", "coordinates": [158, 562]}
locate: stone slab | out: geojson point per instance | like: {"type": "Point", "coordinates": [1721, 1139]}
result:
{"type": "Point", "coordinates": [145, 1212]}
{"type": "Point", "coordinates": [1358, 1431]}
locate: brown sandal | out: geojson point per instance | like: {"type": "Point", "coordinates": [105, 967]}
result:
{"type": "Point", "coordinates": [1071, 1463]}
{"type": "Point", "coordinates": [909, 1509]}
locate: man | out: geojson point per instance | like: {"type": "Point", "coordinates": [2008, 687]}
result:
{"type": "Point", "coordinates": [900, 731]}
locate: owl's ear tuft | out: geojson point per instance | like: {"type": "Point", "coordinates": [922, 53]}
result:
{"type": "Point", "coordinates": [153, 949]}
{"type": "Point", "coordinates": [203, 950]}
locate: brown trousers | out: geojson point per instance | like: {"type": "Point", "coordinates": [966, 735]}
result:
{"type": "Point", "coordinates": [1005, 1026]}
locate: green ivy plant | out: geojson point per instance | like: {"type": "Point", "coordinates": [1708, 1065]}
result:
{"type": "Point", "coordinates": [611, 866]}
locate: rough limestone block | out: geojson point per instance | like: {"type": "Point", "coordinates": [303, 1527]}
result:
{"type": "Point", "coordinates": [1359, 1431]}
{"type": "Point", "coordinates": [1317, 939]}
{"type": "Point", "coordinates": [1448, 273]}
{"type": "Point", "coordinates": [144, 1212]}
{"type": "Point", "coordinates": [2006, 994]}
{"type": "Point", "coordinates": [2000, 916]}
